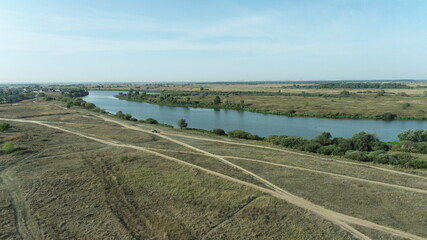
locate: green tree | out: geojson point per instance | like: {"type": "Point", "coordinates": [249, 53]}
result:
{"type": "Point", "coordinates": [217, 100]}
{"type": "Point", "coordinates": [182, 123]}
{"type": "Point", "coordinates": [8, 147]}
{"type": "Point", "coordinates": [364, 142]}
{"type": "Point", "coordinates": [324, 138]}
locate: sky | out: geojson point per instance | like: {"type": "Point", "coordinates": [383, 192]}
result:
{"type": "Point", "coordinates": [49, 41]}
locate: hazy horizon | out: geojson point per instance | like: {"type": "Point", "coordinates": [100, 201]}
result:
{"type": "Point", "coordinates": [211, 41]}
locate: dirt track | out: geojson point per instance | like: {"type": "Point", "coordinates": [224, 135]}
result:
{"type": "Point", "coordinates": [298, 153]}
{"type": "Point", "coordinates": [341, 220]}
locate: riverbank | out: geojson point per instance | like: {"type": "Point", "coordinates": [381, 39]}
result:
{"type": "Point", "coordinates": [257, 104]}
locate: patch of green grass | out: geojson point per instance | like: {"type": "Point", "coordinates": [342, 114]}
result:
{"type": "Point", "coordinates": [8, 147]}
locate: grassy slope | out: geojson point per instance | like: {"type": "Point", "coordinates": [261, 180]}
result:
{"type": "Point", "coordinates": [75, 188]}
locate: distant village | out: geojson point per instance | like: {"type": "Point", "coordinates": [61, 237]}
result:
{"type": "Point", "coordinates": [16, 94]}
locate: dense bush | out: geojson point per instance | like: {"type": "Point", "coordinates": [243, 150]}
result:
{"type": "Point", "coordinates": [367, 142]}
{"type": "Point", "coordinates": [288, 141]}
{"type": "Point", "coordinates": [324, 144]}
{"type": "Point", "coordinates": [418, 135]}
{"type": "Point", "coordinates": [218, 131]}
{"type": "Point", "coordinates": [244, 135]}
{"type": "Point", "coordinates": [311, 147]}
{"type": "Point", "coordinates": [357, 155]}
{"type": "Point", "coordinates": [412, 141]}
{"type": "Point", "coordinates": [124, 116]}
{"type": "Point", "coordinates": [151, 121]}
{"type": "Point", "coordinates": [324, 139]}
{"type": "Point", "coordinates": [386, 116]}
{"type": "Point", "coordinates": [326, 150]}
{"type": "Point", "coordinates": [89, 105]}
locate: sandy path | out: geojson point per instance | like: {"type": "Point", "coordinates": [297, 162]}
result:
{"type": "Point", "coordinates": [339, 219]}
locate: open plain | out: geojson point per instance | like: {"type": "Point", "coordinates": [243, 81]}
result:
{"type": "Point", "coordinates": [79, 175]}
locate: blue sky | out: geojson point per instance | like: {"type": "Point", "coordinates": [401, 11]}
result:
{"type": "Point", "coordinates": [149, 41]}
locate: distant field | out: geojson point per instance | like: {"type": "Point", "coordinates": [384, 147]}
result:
{"type": "Point", "coordinates": [268, 87]}
{"type": "Point", "coordinates": [364, 105]}
{"type": "Point", "coordinates": [79, 175]}
{"type": "Point", "coordinates": [369, 102]}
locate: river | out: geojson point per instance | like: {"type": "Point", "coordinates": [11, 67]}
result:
{"type": "Point", "coordinates": [257, 123]}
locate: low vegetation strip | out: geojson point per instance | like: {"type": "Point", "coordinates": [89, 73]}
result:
{"type": "Point", "coordinates": [333, 174]}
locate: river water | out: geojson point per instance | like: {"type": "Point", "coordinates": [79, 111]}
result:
{"type": "Point", "coordinates": [257, 123]}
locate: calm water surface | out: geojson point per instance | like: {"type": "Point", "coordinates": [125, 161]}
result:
{"type": "Point", "coordinates": [261, 124]}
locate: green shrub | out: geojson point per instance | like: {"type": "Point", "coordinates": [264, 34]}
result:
{"type": "Point", "coordinates": [324, 138]}
{"type": "Point", "coordinates": [386, 116]}
{"type": "Point", "coordinates": [127, 116]}
{"type": "Point", "coordinates": [8, 147]}
{"type": "Point", "coordinates": [384, 158]}
{"type": "Point", "coordinates": [4, 126]}
{"type": "Point", "coordinates": [119, 114]}
{"type": "Point", "coordinates": [338, 151]}
{"type": "Point", "coordinates": [417, 163]}
{"type": "Point", "coordinates": [418, 135]}
{"type": "Point", "coordinates": [244, 135]}
{"type": "Point", "coordinates": [151, 121]}
{"type": "Point", "coordinates": [182, 123]}
{"type": "Point", "coordinates": [326, 150]}
{"type": "Point", "coordinates": [218, 131]}
{"type": "Point", "coordinates": [357, 155]}
{"type": "Point", "coordinates": [89, 105]}
{"type": "Point", "coordinates": [311, 147]}
{"type": "Point", "coordinates": [408, 146]}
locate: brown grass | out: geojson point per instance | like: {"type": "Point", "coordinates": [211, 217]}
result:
{"type": "Point", "coordinates": [64, 186]}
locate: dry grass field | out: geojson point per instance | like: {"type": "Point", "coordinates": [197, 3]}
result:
{"type": "Point", "coordinates": [365, 102]}
{"type": "Point", "coordinates": [78, 175]}
{"type": "Point", "coordinates": [363, 105]}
